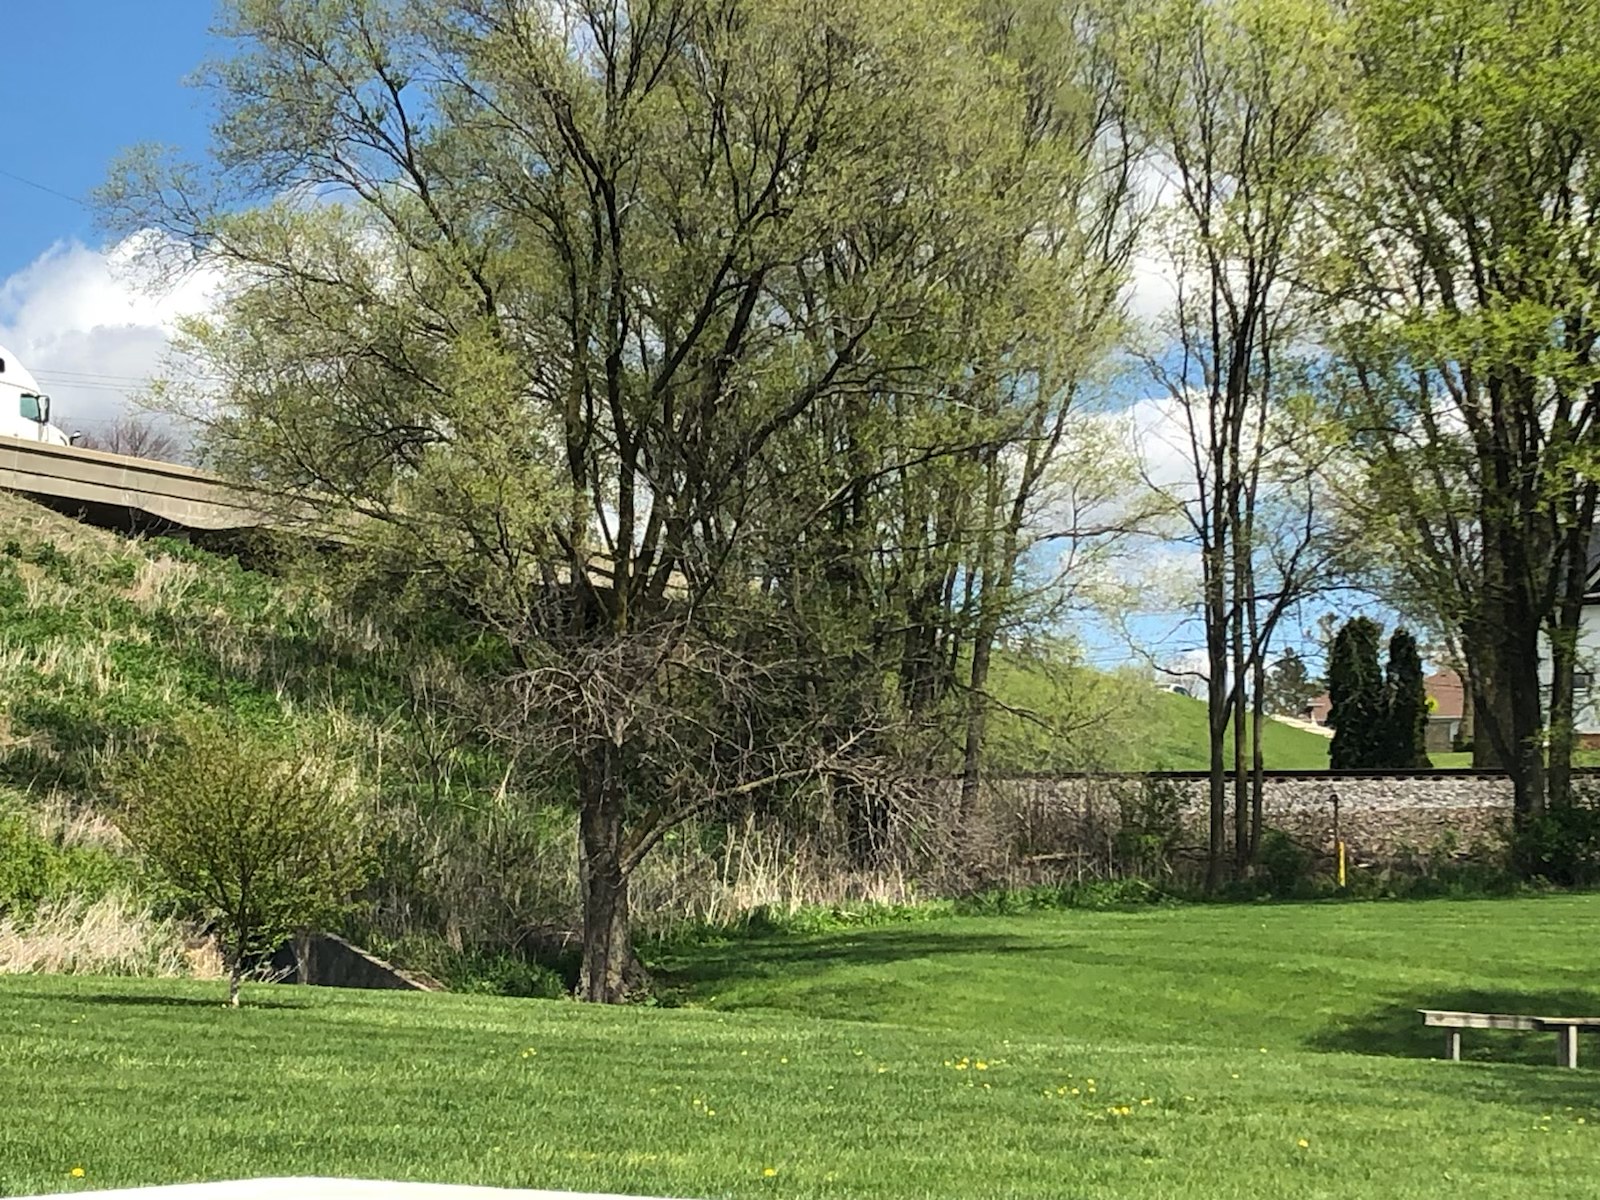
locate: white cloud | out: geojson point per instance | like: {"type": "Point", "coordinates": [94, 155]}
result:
{"type": "Point", "coordinates": [1151, 291]}
{"type": "Point", "coordinates": [90, 329]}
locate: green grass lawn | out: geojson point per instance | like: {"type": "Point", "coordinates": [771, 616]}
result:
{"type": "Point", "coordinates": [948, 1058]}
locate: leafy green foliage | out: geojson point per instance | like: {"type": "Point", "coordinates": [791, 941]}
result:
{"type": "Point", "coordinates": [1290, 686]}
{"type": "Point", "coordinates": [1561, 845]}
{"type": "Point", "coordinates": [1283, 864]}
{"type": "Point", "coordinates": [35, 869]}
{"type": "Point", "coordinates": [1407, 695]}
{"type": "Point", "coordinates": [1355, 686]}
{"type": "Point", "coordinates": [263, 839]}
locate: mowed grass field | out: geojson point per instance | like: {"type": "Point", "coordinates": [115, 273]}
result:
{"type": "Point", "coordinates": [1244, 1051]}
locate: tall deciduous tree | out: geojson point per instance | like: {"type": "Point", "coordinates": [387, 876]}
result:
{"type": "Point", "coordinates": [624, 323]}
{"type": "Point", "coordinates": [1471, 264]}
{"type": "Point", "coordinates": [1237, 100]}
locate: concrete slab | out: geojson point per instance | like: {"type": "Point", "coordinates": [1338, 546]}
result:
{"type": "Point", "coordinates": [314, 1188]}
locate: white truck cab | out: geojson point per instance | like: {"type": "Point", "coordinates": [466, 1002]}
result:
{"type": "Point", "coordinates": [24, 409]}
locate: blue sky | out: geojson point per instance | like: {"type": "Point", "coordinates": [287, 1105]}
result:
{"type": "Point", "coordinates": [84, 79]}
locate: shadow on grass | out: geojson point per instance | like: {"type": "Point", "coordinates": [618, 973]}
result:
{"type": "Point", "coordinates": [799, 957]}
{"type": "Point", "coordinates": [1395, 1027]}
{"type": "Point", "coordinates": [138, 1000]}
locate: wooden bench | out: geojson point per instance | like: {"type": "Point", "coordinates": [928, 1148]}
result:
{"type": "Point", "coordinates": [1566, 1029]}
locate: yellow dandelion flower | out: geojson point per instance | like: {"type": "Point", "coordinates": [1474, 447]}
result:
{"type": "Point", "coordinates": [1147, 1100]}
{"type": "Point", "coordinates": [1303, 1144]}
{"type": "Point", "coordinates": [784, 1060]}
{"type": "Point", "coordinates": [76, 1172]}
{"type": "Point", "coordinates": [981, 1065]}
{"type": "Point", "coordinates": [769, 1172]}
{"type": "Point", "coordinates": [1075, 1091]}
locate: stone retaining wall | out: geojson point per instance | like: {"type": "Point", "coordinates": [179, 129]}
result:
{"type": "Point", "coordinates": [1380, 817]}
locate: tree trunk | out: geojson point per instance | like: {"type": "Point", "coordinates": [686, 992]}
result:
{"type": "Point", "coordinates": [1217, 716]}
{"type": "Point", "coordinates": [1241, 780]}
{"type": "Point", "coordinates": [977, 715]}
{"type": "Point", "coordinates": [1573, 583]}
{"type": "Point", "coordinates": [1258, 765]}
{"type": "Point", "coordinates": [611, 973]}
{"type": "Point", "coordinates": [1520, 648]}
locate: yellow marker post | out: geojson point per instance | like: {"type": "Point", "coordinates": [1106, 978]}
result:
{"type": "Point", "coordinates": [1341, 864]}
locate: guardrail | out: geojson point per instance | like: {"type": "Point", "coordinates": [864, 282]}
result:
{"type": "Point", "coordinates": [138, 490]}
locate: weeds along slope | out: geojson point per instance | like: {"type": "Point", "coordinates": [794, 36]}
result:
{"type": "Point", "coordinates": [105, 640]}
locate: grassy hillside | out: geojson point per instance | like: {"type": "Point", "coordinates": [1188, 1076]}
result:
{"type": "Point", "coordinates": [105, 640]}
{"type": "Point", "coordinates": [1243, 1052]}
{"type": "Point", "coordinates": [1052, 717]}
{"type": "Point", "coordinates": [1177, 740]}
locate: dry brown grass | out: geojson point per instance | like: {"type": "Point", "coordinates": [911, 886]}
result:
{"type": "Point", "coordinates": [115, 935]}
{"type": "Point", "coordinates": [757, 868]}
{"type": "Point", "coordinates": [162, 583]}
{"type": "Point", "coordinates": [57, 818]}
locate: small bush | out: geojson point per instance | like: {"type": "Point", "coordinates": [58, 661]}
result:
{"type": "Point", "coordinates": [1283, 865]}
{"type": "Point", "coordinates": [1150, 828]}
{"type": "Point", "coordinates": [35, 870]}
{"type": "Point", "coordinates": [1561, 845]}
{"type": "Point", "coordinates": [260, 839]}
{"type": "Point", "coordinates": [484, 972]}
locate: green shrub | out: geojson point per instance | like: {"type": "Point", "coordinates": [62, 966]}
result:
{"type": "Point", "coordinates": [1150, 827]}
{"type": "Point", "coordinates": [1282, 863]}
{"type": "Point", "coordinates": [1094, 894]}
{"type": "Point", "coordinates": [260, 838]}
{"type": "Point", "coordinates": [476, 971]}
{"type": "Point", "coordinates": [35, 870]}
{"type": "Point", "coordinates": [1561, 845]}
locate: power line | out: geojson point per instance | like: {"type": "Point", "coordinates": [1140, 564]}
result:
{"type": "Point", "coordinates": [61, 374]}
{"type": "Point", "coordinates": [43, 188]}
{"type": "Point", "coordinates": [79, 386]}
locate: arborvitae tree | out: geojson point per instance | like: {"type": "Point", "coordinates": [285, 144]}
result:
{"type": "Point", "coordinates": [1356, 688]}
{"type": "Point", "coordinates": [1406, 732]}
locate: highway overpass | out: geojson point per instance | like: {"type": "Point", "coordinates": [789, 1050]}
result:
{"type": "Point", "coordinates": [115, 491]}
{"type": "Point", "coordinates": [140, 495]}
